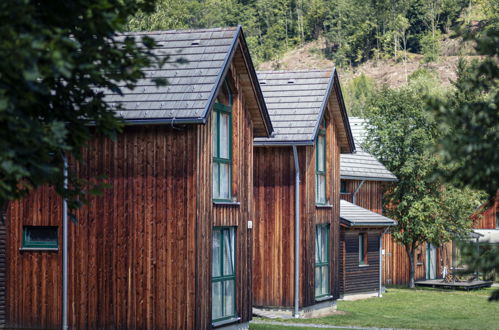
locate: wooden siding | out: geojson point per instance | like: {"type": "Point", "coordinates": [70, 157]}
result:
{"type": "Point", "coordinates": [395, 267]}
{"type": "Point", "coordinates": [140, 255]}
{"type": "Point", "coordinates": [3, 269]}
{"type": "Point", "coordinates": [487, 218]}
{"type": "Point", "coordinates": [355, 278]}
{"type": "Point", "coordinates": [274, 196]}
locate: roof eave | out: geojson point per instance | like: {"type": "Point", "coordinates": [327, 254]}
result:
{"type": "Point", "coordinates": [283, 143]}
{"type": "Point", "coordinates": [367, 224]}
{"type": "Point", "coordinates": [161, 121]}
{"type": "Point", "coordinates": [368, 178]}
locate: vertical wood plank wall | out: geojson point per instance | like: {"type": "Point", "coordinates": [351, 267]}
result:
{"type": "Point", "coordinates": [355, 278]}
{"type": "Point", "coordinates": [488, 217]}
{"type": "Point", "coordinates": [3, 270]}
{"type": "Point", "coordinates": [395, 268]}
{"type": "Point", "coordinates": [140, 255]}
{"type": "Point", "coordinates": [273, 249]}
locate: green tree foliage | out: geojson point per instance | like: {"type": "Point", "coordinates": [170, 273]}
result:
{"type": "Point", "coordinates": [430, 46]}
{"type": "Point", "coordinates": [57, 57]}
{"type": "Point", "coordinates": [401, 133]}
{"type": "Point", "coordinates": [357, 92]}
{"type": "Point", "coordinates": [354, 30]}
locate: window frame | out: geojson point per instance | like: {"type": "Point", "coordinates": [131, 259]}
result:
{"type": "Point", "coordinates": [326, 263]}
{"type": "Point", "coordinates": [318, 173]}
{"type": "Point", "coordinates": [224, 278]}
{"type": "Point", "coordinates": [218, 109]}
{"type": "Point", "coordinates": [27, 244]}
{"type": "Point", "coordinates": [363, 249]}
{"type": "Point", "coordinates": [343, 187]}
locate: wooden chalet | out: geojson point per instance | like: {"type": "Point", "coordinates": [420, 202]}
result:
{"type": "Point", "coordinates": [296, 192]}
{"type": "Point", "coordinates": [169, 245]}
{"type": "Point", "coordinates": [487, 217]}
{"type": "Point", "coordinates": [363, 181]}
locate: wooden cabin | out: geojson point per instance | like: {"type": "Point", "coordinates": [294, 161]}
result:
{"type": "Point", "coordinates": [169, 245]}
{"type": "Point", "coordinates": [296, 186]}
{"type": "Point", "coordinates": [487, 216]}
{"type": "Point", "coordinates": [360, 251]}
{"type": "Point", "coordinates": [363, 181]}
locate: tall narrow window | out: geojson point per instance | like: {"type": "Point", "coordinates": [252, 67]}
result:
{"type": "Point", "coordinates": [343, 187]}
{"type": "Point", "coordinates": [222, 145]}
{"type": "Point", "coordinates": [363, 249]}
{"type": "Point", "coordinates": [497, 219]}
{"type": "Point", "coordinates": [223, 283]}
{"type": "Point", "coordinates": [320, 166]}
{"type": "Point", "coordinates": [321, 261]}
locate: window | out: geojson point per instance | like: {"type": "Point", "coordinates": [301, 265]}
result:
{"type": "Point", "coordinates": [222, 145]}
{"type": "Point", "coordinates": [343, 187]}
{"type": "Point", "coordinates": [321, 261]}
{"type": "Point", "coordinates": [40, 237]}
{"type": "Point", "coordinates": [363, 249]}
{"type": "Point", "coordinates": [320, 166]}
{"type": "Point", "coordinates": [497, 219]}
{"type": "Point", "coordinates": [223, 283]}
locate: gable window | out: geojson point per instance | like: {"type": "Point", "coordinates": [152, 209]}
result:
{"type": "Point", "coordinates": [222, 145]}
{"type": "Point", "coordinates": [321, 260]}
{"type": "Point", "coordinates": [223, 280]}
{"type": "Point", "coordinates": [40, 237]}
{"type": "Point", "coordinates": [343, 187]}
{"type": "Point", "coordinates": [320, 166]}
{"type": "Point", "coordinates": [363, 249]}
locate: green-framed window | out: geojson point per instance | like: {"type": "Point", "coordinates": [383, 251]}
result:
{"type": "Point", "coordinates": [320, 165]}
{"type": "Point", "coordinates": [222, 145]}
{"type": "Point", "coordinates": [322, 268]}
{"type": "Point", "coordinates": [40, 237]}
{"type": "Point", "coordinates": [223, 280]}
{"type": "Point", "coordinates": [343, 187]}
{"type": "Point", "coordinates": [363, 249]}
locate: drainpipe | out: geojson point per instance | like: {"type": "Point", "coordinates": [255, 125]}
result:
{"type": "Point", "coordinates": [65, 249]}
{"type": "Point", "coordinates": [381, 261]}
{"type": "Point", "coordinates": [354, 194]}
{"type": "Point", "coordinates": [297, 233]}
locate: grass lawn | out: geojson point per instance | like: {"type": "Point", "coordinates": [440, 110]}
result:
{"type": "Point", "coordinates": [415, 309]}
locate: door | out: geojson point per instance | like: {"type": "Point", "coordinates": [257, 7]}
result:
{"type": "Point", "coordinates": [431, 262]}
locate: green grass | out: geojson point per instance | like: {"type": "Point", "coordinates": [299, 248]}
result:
{"type": "Point", "coordinates": [415, 309]}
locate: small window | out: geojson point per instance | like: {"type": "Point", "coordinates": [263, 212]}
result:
{"type": "Point", "coordinates": [363, 249]}
{"type": "Point", "coordinates": [343, 187]}
{"type": "Point", "coordinates": [40, 237]}
{"type": "Point", "coordinates": [222, 145]}
{"type": "Point", "coordinates": [223, 280]}
{"type": "Point", "coordinates": [320, 166]}
{"type": "Point", "coordinates": [322, 261]}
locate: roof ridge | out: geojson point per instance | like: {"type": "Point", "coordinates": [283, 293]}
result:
{"type": "Point", "coordinates": [295, 71]}
{"type": "Point", "coordinates": [227, 28]}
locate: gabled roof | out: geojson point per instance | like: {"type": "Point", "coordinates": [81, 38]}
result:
{"type": "Point", "coordinates": [361, 165]}
{"type": "Point", "coordinates": [353, 215]}
{"type": "Point", "coordinates": [192, 87]}
{"type": "Point", "coordinates": [297, 101]}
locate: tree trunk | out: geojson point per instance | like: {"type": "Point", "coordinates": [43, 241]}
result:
{"type": "Point", "coordinates": [410, 253]}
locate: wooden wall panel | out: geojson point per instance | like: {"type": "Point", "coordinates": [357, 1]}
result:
{"type": "Point", "coordinates": [3, 268]}
{"type": "Point", "coordinates": [273, 250]}
{"type": "Point", "coordinates": [487, 218]}
{"type": "Point", "coordinates": [354, 278]}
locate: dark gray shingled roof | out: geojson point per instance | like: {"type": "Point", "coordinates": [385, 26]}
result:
{"type": "Point", "coordinates": [296, 101]}
{"type": "Point", "coordinates": [193, 86]}
{"type": "Point", "coordinates": [354, 215]}
{"type": "Point", "coordinates": [361, 165]}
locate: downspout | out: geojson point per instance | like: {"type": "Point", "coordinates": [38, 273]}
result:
{"type": "Point", "coordinates": [381, 261]}
{"type": "Point", "coordinates": [354, 194]}
{"type": "Point", "coordinates": [65, 249]}
{"type": "Point", "coordinates": [297, 232]}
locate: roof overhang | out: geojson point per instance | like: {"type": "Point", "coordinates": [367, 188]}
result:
{"type": "Point", "coordinates": [366, 178]}
{"type": "Point", "coordinates": [352, 215]}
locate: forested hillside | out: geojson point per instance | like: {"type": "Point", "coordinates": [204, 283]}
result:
{"type": "Point", "coordinates": [353, 31]}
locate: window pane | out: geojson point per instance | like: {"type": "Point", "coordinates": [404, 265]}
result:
{"type": "Point", "coordinates": [216, 300]}
{"type": "Point", "coordinates": [41, 234]}
{"type": "Point", "coordinates": [224, 181]}
{"type": "Point", "coordinates": [321, 189]}
{"type": "Point", "coordinates": [216, 193]}
{"type": "Point", "coordinates": [320, 151]}
{"type": "Point", "coordinates": [317, 245]}
{"type": "Point", "coordinates": [224, 135]}
{"type": "Point", "coordinates": [215, 134]}
{"type": "Point", "coordinates": [325, 280]}
{"type": "Point", "coordinates": [217, 245]}
{"type": "Point", "coordinates": [317, 281]}
{"type": "Point", "coordinates": [229, 298]}
{"type": "Point", "coordinates": [228, 251]}
{"type": "Point", "coordinates": [324, 244]}
{"type": "Point", "coordinates": [361, 249]}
